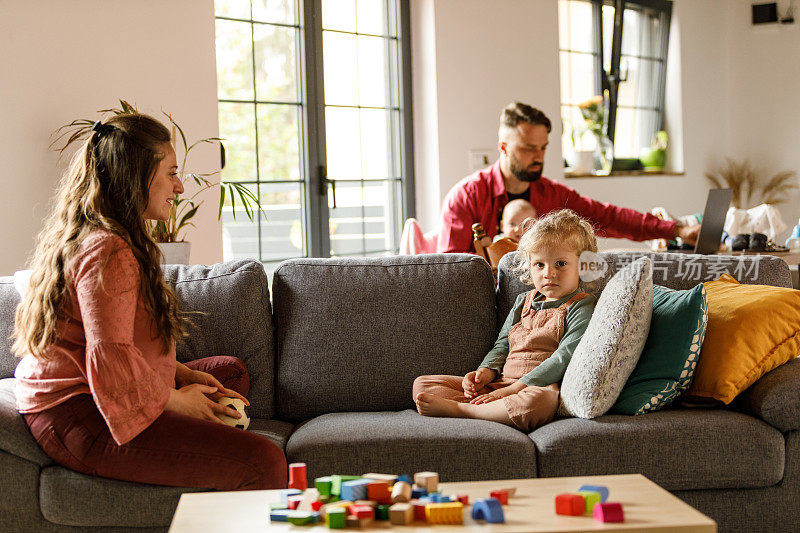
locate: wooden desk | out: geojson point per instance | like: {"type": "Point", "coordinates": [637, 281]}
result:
{"type": "Point", "coordinates": [647, 508]}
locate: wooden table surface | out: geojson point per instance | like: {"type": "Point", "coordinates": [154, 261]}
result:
{"type": "Point", "coordinates": [647, 508]}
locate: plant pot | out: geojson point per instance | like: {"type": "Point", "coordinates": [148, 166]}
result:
{"type": "Point", "coordinates": [653, 158]}
{"type": "Point", "coordinates": [584, 161]}
{"type": "Point", "coordinates": [175, 253]}
{"type": "Point", "coordinates": [603, 155]}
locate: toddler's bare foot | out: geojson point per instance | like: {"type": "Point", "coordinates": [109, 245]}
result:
{"type": "Point", "coordinates": [431, 405]}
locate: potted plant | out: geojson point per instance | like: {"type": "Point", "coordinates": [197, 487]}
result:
{"type": "Point", "coordinates": [654, 157]}
{"type": "Point", "coordinates": [594, 116]}
{"type": "Point", "coordinates": [170, 234]}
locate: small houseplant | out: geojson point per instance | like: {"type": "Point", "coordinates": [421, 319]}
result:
{"type": "Point", "coordinates": [594, 116]}
{"type": "Point", "coordinates": [170, 234]}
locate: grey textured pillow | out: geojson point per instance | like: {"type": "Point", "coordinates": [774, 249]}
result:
{"type": "Point", "coordinates": [612, 344]}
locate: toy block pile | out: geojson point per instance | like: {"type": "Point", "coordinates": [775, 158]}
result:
{"type": "Point", "coordinates": [342, 501]}
{"type": "Point", "coordinates": [590, 499]}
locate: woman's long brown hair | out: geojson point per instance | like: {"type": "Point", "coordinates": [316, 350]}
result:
{"type": "Point", "coordinates": [106, 187]}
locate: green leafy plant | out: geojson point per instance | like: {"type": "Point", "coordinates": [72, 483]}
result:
{"type": "Point", "coordinates": [749, 188]}
{"type": "Point", "coordinates": [183, 209]}
{"type": "Point", "coordinates": [593, 112]}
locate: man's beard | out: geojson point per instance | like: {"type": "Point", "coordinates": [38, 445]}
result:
{"type": "Point", "coordinates": [521, 174]}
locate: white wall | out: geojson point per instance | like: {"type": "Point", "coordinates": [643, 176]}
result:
{"type": "Point", "coordinates": [64, 60]}
{"type": "Point", "coordinates": [489, 53]}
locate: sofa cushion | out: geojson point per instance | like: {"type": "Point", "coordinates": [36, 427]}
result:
{"type": "Point", "coordinates": [612, 344]}
{"type": "Point", "coordinates": [352, 334]}
{"type": "Point", "coordinates": [9, 299]}
{"type": "Point", "coordinates": [676, 448]}
{"type": "Point", "coordinates": [72, 499]}
{"type": "Point", "coordinates": [670, 354]}
{"type": "Point", "coordinates": [15, 437]}
{"type": "Point", "coordinates": [275, 430]}
{"type": "Point", "coordinates": [676, 271]}
{"type": "Point", "coordinates": [406, 442]}
{"type": "Point", "coordinates": [752, 329]}
{"type": "Point", "coordinates": [775, 398]}
{"type": "Point", "coordinates": [236, 320]}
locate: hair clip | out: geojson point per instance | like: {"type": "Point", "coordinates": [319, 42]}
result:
{"type": "Point", "coordinates": [101, 128]}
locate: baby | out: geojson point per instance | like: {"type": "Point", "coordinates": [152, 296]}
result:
{"type": "Point", "coordinates": [515, 213]}
{"type": "Point", "coordinates": [535, 344]}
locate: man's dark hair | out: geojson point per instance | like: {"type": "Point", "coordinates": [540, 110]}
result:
{"type": "Point", "coordinates": [517, 112]}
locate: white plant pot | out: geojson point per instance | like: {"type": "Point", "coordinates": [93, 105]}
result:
{"type": "Point", "coordinates": [584, 161]}
{"type": "Point", "coordinates": [175, 253]}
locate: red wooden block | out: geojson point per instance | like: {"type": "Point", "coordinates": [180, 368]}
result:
{"type": "Point", "coordinates": [379, 491]}
{"type": "Point", "coordinates": [316, 505]}
{"type": "Point", "coordinates": [361, 511]}
{"type": "Point", "coordinates": [297, 476]}
{"type": "Point", "coordinates": [570, 504]}
{"type": "Point", "coordinates": [500, 495]}
{"type": "Point", "coordinates": [419, 510]}
{"type": "Point", "coordinates": [293, 501]}
{"type": "Point", "coordinates": [463, 498]}
{"type": "Point", "coordinates": [608, 512]}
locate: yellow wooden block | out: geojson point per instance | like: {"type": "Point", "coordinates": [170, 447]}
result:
{"type": "Point", "coordinates": [445, 513]}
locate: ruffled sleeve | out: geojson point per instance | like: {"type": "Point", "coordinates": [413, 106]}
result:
{"type": "Point", "coordinates": [129, 393]}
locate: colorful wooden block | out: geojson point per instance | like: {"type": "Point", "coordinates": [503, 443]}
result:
{"type": "Point", "coordinates": [602, 489]}
{"type": "Point", "coordinates": [279, 515]}
{"type": "Point", "coordinates": [401, 492]}
{"type": "Point", "coordinates": [512, 491]}
{"type": "Point", "coordinates": [419, 509]}
{"type": "Point", "coordinates": [323, 485]}
{"type": "Point", "coordinates": [336, 483]}
{"type": "Point", "coordinates": [379, 491]}
{"type": "Point", "coordinates": [590, 497]}
{"type": "Point", "coordinates": [342, 504]}
{"type": "Point", "coordinates": [500, 495]}
{"type": "Point", "coordinates": [490, 510]}
{"type": "Point", "coordinates": [389, 478]}
{"type": "Point", "coordinates": [401, 513]}
{"type": "Point", "coordinates": [316, 506]}
{"type": "Point", "coordinates": [444, 513]}
{"type": "Point", "coordinates": [309, 497]}
{"type": "Point", "coordinates": [302, 518]}
{"type": "Point", "coordinates": [404, 478]}
{"type": "Point", "coordinates": [427, 480]}
{"type": "Point", "coordinates": [361, 511]}
{"type": "Point", "coordinates": [382, 512]}
{"type": "Point", "coordinates": [352, 521]}
{"type": "Point", "coordinates": [608, 512]}
{"type": "Point", "coordinates": [355, 489]}
{"type": "Point", "coordinates": [337, 518]}
{"type": "Point", "coordinates": [570, 504]}
{"type": "Point", "coordinates": [292, 502]}
{"type": "Point", "coordinates": [417, 492]}
{"type": "Point", "coordinates": [285, 493]}
{"type": "Point", "coordinates": [297, 476]}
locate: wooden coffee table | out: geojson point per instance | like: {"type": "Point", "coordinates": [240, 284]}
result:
{"type": "Point", "coordinates": [647, 507]}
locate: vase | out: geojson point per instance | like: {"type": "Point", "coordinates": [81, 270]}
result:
{"type": "Point", "coordinates": [603, 155]}
{"type": "Point", "coordinates": [175, 253]}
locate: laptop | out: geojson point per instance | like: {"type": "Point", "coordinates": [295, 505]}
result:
{"type": "Point", "coordinates": [717, 204]}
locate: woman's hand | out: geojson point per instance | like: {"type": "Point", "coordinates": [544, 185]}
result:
{"type": "Point", "coordinates": [185, 376]}
{"type": "Point", "coordinates": [476, 380]}
{"type": "Point", "coordinates": [193, 400]}
{"type": "Point", "coordinates": [498, 394]}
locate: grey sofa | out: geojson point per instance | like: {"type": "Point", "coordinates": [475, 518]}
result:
{"type": "Point", "coordinates": [332, 356]}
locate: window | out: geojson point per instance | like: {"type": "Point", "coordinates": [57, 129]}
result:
{"type": "Point", "coordinates": [617, 48]}
{"type": "Point", "coordinates": [314, 105]}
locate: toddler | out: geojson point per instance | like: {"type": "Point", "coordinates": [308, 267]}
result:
{"type": "Point", "coordinates": [537, 340]}
{"type": "Point", "coordinates": [515, 213]}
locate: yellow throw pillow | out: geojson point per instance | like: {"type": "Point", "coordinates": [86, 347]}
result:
{"type": "Point", "coordinates": [751, 330]}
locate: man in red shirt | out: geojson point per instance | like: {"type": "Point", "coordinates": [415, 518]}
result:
{"type": "Point", "coordinates": [523, 139]}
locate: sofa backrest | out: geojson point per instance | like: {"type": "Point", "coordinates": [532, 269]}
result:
{"type": "Point", "coordinates": [352, 334]}
{"type": "Point", "coordinates": [676, 271]}
{"type": "Point", "coordinates": [236, 320]}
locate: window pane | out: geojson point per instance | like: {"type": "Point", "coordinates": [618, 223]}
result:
{"type": "Point", "coordinates": [237, 9]}
{"type": "Point", "coordinates": [379, 216]}
{"type": "Point", "coordinates": [624, 135]}
{"type": "Point", "coordinates": [575, 23]}
{"type": "Point", "coordinates": [237, 127]}
{"type": "Point", "coordinates": [281, 11]}
{"type": "Point", "coordinates": [276, 67]}
{"type": "Point", "coordinates": [372, 73]}
{"type": "Point", "coordinates": [278, 142]}
{"type": "Point", "coordinates": [339, 15]}
{"type": "Point", "coordinates": [579, 82]}
{"type": "Point", "coordinates": [631, 32]}
{"type": "Point", "coordinates": [630, 69]}
{"type": "Point", "coordinates": [372, 17]}
{"type": "Point", "coordinates": [341, 68]}
{"type": "Point", "coordinates": [608, 36]}
{"type": "Point", "coordinates": [343, 143]}
{"type": "Point", "coordinates": [375, 151]}
{"type": "Point", "coordinates": [234, 60]}
{"type": "Point", "coordinates": [347, 220]}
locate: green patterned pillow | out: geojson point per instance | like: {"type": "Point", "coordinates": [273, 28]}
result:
{"type": "Point", "coordinates": [670, 354]}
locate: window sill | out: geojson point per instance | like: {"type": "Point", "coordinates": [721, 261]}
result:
{"type": "Point", "coordinates": [623, 173]}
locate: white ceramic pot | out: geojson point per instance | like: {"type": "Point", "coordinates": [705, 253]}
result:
{"type": "Point", "coordinates": [175, 253]}
{"type": "Point", "coordinates": [584, 161]}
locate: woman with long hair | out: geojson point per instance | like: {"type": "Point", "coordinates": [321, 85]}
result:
{"type": "Point", "coordinates": [99, 385]}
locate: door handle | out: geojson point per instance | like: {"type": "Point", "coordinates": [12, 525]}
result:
{"type": "Point", "coordinates": [324, 182]}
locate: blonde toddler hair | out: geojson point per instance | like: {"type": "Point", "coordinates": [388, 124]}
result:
{"type": "Point", "coordinates": [557, 228]}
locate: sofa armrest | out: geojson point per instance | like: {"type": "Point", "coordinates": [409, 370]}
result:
{"type": "Point", "coordinates": [775, 398]}
{"type": "Point", "coordinates": [15, 437]}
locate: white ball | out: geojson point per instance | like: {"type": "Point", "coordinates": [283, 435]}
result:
{"type": "Point", "coordinates": [238, 405]}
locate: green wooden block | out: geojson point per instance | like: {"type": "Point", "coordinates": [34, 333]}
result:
{"type": "Point", "coordinates": [590, 497]}
{"type": "Point", "coordinates": [323, 485]}
{"type": "Point", "coordinates": [301, 518]}
{"type": "Point", "coordinates": [382, 512]}
{"type": "Point", "coordinates": [336, 483]}
{"type": "Point", "coordinates": [337, 518]}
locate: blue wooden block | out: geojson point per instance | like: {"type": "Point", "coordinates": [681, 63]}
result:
{"type": "Point", "coordinates": [405, 478]}
{"type": "Point", "coordinates": [602, 489]}
{"type": "Point", "coordinates": [355, 490]}
{"type": "Point", "coordinates": [488, 509]}
{"type": "Point", "coordinates": [438, 497]}
{"type": "Point", "coordinates": [279, 515]}
{"type": "Point", "coordinates": [418, 493]}
{"type": "Point", "coordinates": [285, 493]}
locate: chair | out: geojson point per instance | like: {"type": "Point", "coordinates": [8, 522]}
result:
{"type": "Point", "coordinates": [413, 241]}
{"type": "Point", "coordinates": [491, 251]}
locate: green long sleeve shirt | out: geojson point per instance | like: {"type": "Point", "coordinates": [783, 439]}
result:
{"type": "Point", "coordinates": [552, 369]}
